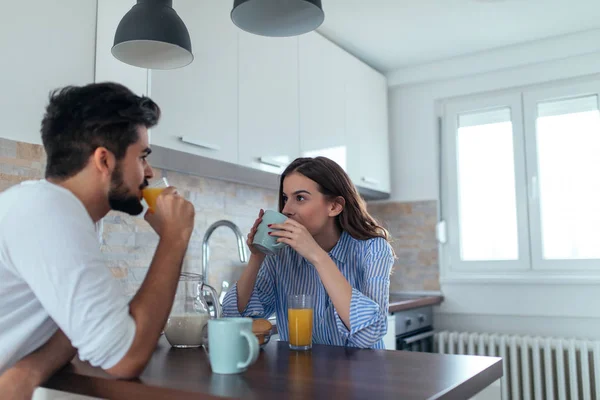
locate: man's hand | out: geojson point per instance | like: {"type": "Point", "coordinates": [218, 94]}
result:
{"type": "Point", "coordinates": [173, 218]}
{"type": "Point", "coordinates": [21, 380]}
{"type": "Point", "coordinates": [17, 384]}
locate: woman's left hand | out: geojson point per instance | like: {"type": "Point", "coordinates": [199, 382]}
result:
{"type": "Point", "coordinates": [298, 238]}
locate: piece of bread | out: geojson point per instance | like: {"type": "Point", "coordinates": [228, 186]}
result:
{"type": "Point", "coordinates": [261, 325]}
{"type": "Point", "coordinates": [260, 337]}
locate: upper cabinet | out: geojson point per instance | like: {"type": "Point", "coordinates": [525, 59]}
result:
{"type": "Point", "coordinates": [322, 94]}
{"type": "Point", "coordinates": [344, 112]}
{"type": "Point", "coordinates": [367, 127]}
{"type": "Point", "coordinates": [108, 68]}
{"type": "Point", "coordinates": [200, 101]}
{"type": "Point", "coordinates": [43, 48]}
{"type": "Point", "coordinates": [268, 136]}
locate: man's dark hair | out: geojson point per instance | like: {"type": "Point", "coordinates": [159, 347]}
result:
{"type": "Point", "coordinates": [79, 119]}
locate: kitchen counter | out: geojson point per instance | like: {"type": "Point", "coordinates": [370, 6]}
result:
{"type": "Point", "coordinates": [323, 372]}
{"type": "Point", "coordinates": [401, 302]}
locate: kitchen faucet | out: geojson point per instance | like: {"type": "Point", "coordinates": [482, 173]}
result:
{"type": "Point", "coordinates": [205, 248]}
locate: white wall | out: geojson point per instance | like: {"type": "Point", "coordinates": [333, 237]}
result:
{"type": "Point", "coordinates": [524, 308]}
{"type": "Point", "coordinates": [559, 310]}
{"type": "Point", "coordinates": [43, 45]}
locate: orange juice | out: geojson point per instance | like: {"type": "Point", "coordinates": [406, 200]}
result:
{"type": "Point", "coordinates": [300, 326]}
{"type": "Point", "coordinates": [150, 194]}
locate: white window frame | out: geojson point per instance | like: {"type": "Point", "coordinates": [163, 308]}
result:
{"type": "Point", "coordinates": [450, 212]}
{"type": "Point", "coordinates": [531, 99]}
{"type": "Point", "coordinates": [531, 267]}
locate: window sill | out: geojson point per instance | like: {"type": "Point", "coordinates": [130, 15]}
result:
{"type": "Point", "coordinates": [530, 277]}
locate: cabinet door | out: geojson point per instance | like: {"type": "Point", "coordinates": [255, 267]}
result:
{"type": "Point", "coordinates": [199, 101]}
{"type": "Point", "coordinates": [108, 68]}
{"type": "Point", "coordinates": [367, 128]}
{"type": "Point", "coordinates": [43, 48]}
{"type": "Point", "coordinates": [389, 340]}
{"type": "Point", "coordinates": [322, 95]}
{"type": "Point", "coordinates": [268, 102]}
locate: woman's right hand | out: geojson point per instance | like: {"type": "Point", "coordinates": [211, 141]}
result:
{"type": "Point", "coordinates": [254, 250]}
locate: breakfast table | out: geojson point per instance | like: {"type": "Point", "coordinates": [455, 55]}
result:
{"type": "Point", "coordinates": [325, 372]}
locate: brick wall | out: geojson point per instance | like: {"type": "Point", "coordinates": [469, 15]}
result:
{"type": "Point", "coordinates": [412, 225]}
{"type": "Point", "coordinates": [129, 242]}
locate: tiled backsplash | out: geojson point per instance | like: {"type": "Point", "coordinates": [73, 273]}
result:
{"type": "Point", "coordinates": [20, 162]}
{"type": "Point", "coordinates": [412, 227]}
{"type": "Point", "coordinates": [129, 242]}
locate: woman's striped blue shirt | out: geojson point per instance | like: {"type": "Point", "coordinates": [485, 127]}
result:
{"type": "Point", "coordinates": [366, 264]}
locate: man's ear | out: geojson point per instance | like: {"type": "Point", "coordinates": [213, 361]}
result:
{"type": "Point", "coordinates": [337, 206]}
{"type": "Point", "coordinates": [104, 161]}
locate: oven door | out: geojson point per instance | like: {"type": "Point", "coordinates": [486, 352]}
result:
{"type": "Point", "coordinates": [420, 340]}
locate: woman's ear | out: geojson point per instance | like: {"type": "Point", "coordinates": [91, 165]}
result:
{"type": "Point", "coordinates": [337, 206]}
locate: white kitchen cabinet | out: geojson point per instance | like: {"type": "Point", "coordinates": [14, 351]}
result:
{"type": "Point", "coordinates": [367, 127]}
{"type": "Point", "coordinates": [200, 101]}
{"type": "Point", "coordinates": [343, 112]}
{"type": "Point", "coordinates": [268, 136]}
{"type": "Point", "coordinates": [389, 340]}
{"type": "Point", "coordinates": [108, 68]}
{"type": "Point", "coordinates": [43, 48]}
{"type": "Point", "coordinates": [322, 96]}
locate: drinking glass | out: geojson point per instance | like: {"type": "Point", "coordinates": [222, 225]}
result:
{"type": "Point", "coordinates": [300, 321]}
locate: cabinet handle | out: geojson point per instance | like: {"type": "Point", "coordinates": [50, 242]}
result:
{"type": "Point", "coordinates": [416, 338]}
{"type": "Point", "coordinates": [370, 181]}
{"type": "Point", "coordinates": [199, 143]}
{"type": "Point", "coordinates": [535, 189]}
{"type": "Point", "coordinates": [272, 163]}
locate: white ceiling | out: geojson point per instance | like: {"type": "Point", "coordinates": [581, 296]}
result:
{"type": "Point", "coordinates": [390, 34]}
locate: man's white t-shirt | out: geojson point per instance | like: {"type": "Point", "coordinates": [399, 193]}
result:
{"type": "Point", "coordinates": [53, 274]}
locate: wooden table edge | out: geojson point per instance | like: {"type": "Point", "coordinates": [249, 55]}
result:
{"type": "Point", "coordinates": [478, 382]}
{"type": "Point", "coordinates": [107, 388]}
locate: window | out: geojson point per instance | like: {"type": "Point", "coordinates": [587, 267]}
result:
{"type": "Point", "coordinates": [521, 181]}
{"type": "Point", "coordinates": [486, 181]}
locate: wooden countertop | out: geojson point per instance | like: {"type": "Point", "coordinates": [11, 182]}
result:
{"type": "Point", "coordinates": [325, 372]}
{"type": "Point", "coordinates": [401, 302]}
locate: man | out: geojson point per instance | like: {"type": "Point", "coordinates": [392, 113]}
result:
{"type": "Point", "coordinates": [52, 274]}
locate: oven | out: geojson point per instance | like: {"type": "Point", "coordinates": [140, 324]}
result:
{"type": "Point", "coordinates": [414, 329]}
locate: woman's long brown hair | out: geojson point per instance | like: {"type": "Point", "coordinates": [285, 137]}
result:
{"type": "Point", "coordinates": [334, 182]}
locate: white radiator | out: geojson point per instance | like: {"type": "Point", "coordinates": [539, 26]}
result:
{"type": "Point", "coordinates": [534, 367]}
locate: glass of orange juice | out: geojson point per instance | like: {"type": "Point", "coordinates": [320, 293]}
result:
{"type": "Point", "coordinates": [300, 321]}
{"type": "Point", "coordinates": [152, 191]}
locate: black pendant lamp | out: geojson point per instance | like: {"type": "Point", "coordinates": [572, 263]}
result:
{"type": "Point", "coordinates": [277, 17]}
{"type": "Point", "coordinates": [151, 35]}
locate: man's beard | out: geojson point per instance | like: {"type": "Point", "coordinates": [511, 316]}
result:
{"type": "Point", "coordinates": [119, 197]}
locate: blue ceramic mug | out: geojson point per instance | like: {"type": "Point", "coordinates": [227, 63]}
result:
{"type": "Point", "coordinates": [262, 240]}
{"type": "Point", "coordinates": [232, 347]}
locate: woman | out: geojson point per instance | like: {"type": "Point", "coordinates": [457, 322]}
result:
{"type": "Point", "coordinates": [336, 252]}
